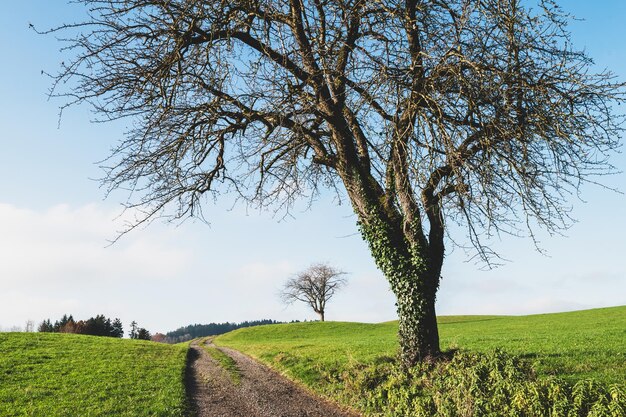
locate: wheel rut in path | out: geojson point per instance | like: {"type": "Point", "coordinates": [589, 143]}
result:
{"type": "Point", "coordinates": [260, 392]}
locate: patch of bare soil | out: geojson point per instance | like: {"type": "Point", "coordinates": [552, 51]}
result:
{"type": "Point", "coordinates": [261, 391]}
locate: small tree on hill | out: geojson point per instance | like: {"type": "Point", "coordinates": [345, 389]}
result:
{"type": "Point", "coordinates": [314, 286]}
{"type": "Point", "coordinates": [137, 332]}
{"type": "Point", "coordinates": [60, 325]}
{"type": "Point", "coordinates": [98, 326]}
{"type": "Point", "coordinates": [30, 326]}
{"type": "Point", "coordinates": [143, 334]}
{"type": "Point", "coordinates": [46, 326]}
{"type": "Point", "coordinates": [118, 330]}
{"type": "Point", "coordinates": [133, 330]}
{"type": "Point", "coordinates": [159, 338]}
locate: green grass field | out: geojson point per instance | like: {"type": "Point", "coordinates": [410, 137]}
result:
{"type": "Point", "coordinates": [573, 346]}
{"type": "Point", "coordinates": [47, 375]}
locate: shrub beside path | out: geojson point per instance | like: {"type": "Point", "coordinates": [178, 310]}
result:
{"type": "Point", "coordinates": [260, 391]}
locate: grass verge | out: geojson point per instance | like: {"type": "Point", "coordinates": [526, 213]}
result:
{"type": "Point", "coordinates": [226, 362]}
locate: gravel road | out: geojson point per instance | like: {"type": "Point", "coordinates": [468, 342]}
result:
{"type": "Point", "coordinates": [261, 391]}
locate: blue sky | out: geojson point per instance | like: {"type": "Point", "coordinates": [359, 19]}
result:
{"type": "Point", "coordinates": [54, 222]}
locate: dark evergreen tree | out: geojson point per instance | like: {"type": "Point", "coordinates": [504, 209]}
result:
{"type": "Point", "coordinates": [143, 334]}
{"type": "Point", "coordinates": [46, 326]}
{"type": "Point", "coordinates": [97, 326]}
{"type": "Point", "coordinates": [118, 330]}
{"type": "Point", "coordinates": [65, 325]}
{"type": "Point", "coordinates": [60, 325]}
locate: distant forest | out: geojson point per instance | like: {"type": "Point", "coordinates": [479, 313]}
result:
{"type": "Point", "coordinates": [212, 329]}
{"type": "Point", "coordinates": [95, 326]}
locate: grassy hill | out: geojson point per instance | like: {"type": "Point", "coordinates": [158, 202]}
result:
{"type": "Point", "coordinates": [49, 374]}
{"type": "Point", "coordinates": [574, 345]}
{"type": "Point", "coordinates": [551, 364]}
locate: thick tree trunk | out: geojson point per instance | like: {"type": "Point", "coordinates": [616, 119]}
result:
{"type": "Point", "coordinates": [413, 273]}
{"type": "Point", "coordinates": [410, 262]}
{"type": "Point", "coordinates": [417, 332]}
{"type": "Point", "coordinates": [321, 313]}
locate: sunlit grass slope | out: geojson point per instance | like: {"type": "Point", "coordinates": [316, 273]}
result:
{"type": "Point", "coordinates": [573, 346]}
{"type": "Point", "coordinates": [45, 374]}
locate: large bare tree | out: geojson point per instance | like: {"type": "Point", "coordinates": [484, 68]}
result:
{"type": "Point", "coordinates": [314, 286]}
{"type": "Point", "coordinates": [421, 112]}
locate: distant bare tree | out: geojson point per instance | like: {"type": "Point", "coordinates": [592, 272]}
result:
{"type": "Point", "coordinates": [314, 286]}
{"type": "Point", "coordinates": [132, 333]}
{"type": "Point", "coordinates": [30, 326]}
{"type": "Point", "coordinates": [420, 112]}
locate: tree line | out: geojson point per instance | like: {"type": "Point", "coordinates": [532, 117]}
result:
{"type": "Point", "coordinates": [192, 331]}
{"type": "Point", "coordinates": [94, 326]}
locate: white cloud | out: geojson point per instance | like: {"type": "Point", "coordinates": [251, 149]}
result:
{"type": "Point", "coordinates": [62, 245]}
{"type": "Point", "coordinates": [58, 260]}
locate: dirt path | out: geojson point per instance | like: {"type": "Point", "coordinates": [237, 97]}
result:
{"type": "Point", "coordinates": [261, 391]}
